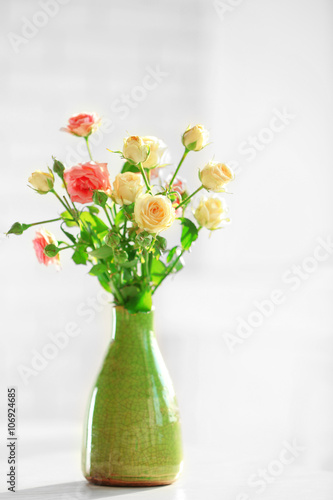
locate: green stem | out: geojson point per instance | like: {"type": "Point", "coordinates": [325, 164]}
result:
{"type": "Point", "coordinates": [88, 147]}
{"type": "Point", "coordinates": [125, 226]}
{"type": "Point", "coordinates": [143, 173]}
{"type": "Point", "coordinates": [179, 165]}
{"type": "Point", "coordinates": [108, 216]}
{"type": "Point", "coordinates": [169, 270]}
{"type": "Point", "coordinates": [62, 202]}
{"type": "Point", "coordinates": [44, 222]}
{"type": "Point", "coordinates": [189, 197]}
{"type": "Point", "coordinates": [117, 293]}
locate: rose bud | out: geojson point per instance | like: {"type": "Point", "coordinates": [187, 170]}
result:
{"type": "Point", "coordinates": [83, 179]}
{"type": "Point", "coordinates": [135, 150]}
{"type": "Point", "coordinates": [195, 138]}
{"type": "Point", "coordinates": [42, 182]}
{"type": "Point", "coordinates": [211, 213]}
{"type": "Point", "coordinates": [126, 188]}
{"type": "Point", "coordinates": [153, 213]}
{"type": "Point", "coordinates": [42, 239]}
{"type": "Point", "coordinates": [83, 124]}
{"type": "Point", "coordinates": [157, 152]}
{"type": "Point", "coordinates": [214, 176]}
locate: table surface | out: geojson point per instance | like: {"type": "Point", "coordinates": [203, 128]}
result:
{"type": "Point", "coordinates": [48, 471]}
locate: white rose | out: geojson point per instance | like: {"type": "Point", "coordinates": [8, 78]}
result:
{"type": "Point", "coordinates": [126, 188]}
{"type": "Point", "coordinates": [195, 138]}
{"type": "Point", "coordinates": [135, 149]}
{"type": "Point", "coordinates": [214, 176]}
{"type": "Point", "coordinates": [41, 181]}
{"type": "Point", "coordinates": [211, 212]}
{"type": "Point", "coordinates": [157, 154]}
{"type": "Point", "coordinates": [153, 213]}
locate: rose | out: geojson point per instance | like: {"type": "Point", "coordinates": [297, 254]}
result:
{"type": "Point", "coordinates": [82, 124]}
{"type": "Point", "coordinates": [214, 176]}
{"type": "Point", "coordinates": [153, 213]}
{"type": "Point", "coordinates": [135, 150]}
{"type": "Point", "coordinates": [126, 188]}
{"type": "Point", "coordinates": [211, 212]}
{"type": "Point", "coordinates": [157, 152]}
{"type": "Point", "coordinates": [195, 138]}
{"type": "Point", "coordinates": [82, 179]}
{"type": "Point", "coordinates": [41, 240]}
{"type": "Point", "coordinates": [41, 181]}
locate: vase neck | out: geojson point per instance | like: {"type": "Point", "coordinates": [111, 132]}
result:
{"type": "Point", "coordinates": [132, 327]}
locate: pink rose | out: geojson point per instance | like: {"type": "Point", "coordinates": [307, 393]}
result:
{"type": "Point", "coordinates": [179, 185]}
{"type": "Point", "coordinates": [43, 238]}
{"type": "Point", "coordinates": [82, 124]}
{"type": "Point", "coordinates": [84, 178]}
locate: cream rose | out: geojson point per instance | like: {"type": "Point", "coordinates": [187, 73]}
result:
{"type": "Point", "coordinates": [135, 149]}
{"type": "Point", "coordinates": [211, 212]}
{"type": "Point", "coordinates": [153, 213]}
{"type": "Point", "coordinates": [157, 154]}
{"type": "Point", "coordinates": [195, 138]}
{"type": "Point", "coordinates": [214, 176]}
{"type": "Point", "coordinates": [126, 188]}
{"type": "Point", "coordinates": [41, 181]}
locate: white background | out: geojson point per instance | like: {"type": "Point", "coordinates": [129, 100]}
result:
{"type": "Point", "coordinates": [233, 71]}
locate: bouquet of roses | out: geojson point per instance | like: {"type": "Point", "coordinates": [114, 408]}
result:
{"type": "Point", "coordinates": [116, 228]}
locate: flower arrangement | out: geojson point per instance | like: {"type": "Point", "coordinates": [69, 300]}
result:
{"type": "Point", "coordinates": [116, 227]}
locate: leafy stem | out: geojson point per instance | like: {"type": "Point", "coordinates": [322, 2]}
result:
{"type": "Point", "coordinates": [170, 269]}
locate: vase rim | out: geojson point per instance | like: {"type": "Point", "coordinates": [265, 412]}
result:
{"type": "Point", "coordinates": [123, 309]}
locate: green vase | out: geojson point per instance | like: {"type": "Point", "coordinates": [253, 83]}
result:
{"type": "Point", "coordinates": [132, 434]}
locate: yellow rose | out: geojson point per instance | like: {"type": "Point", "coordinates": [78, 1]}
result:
{"type": "Point", "coordinates": [126, 188]}
{"type": "Point", "coordinates": [135, 149]}
{"type": "Point", "coordinates": [211, 213]}
{"type": "Point", "coordinates": [214, 176]}
{"type": "Point", "coordinates": [157, 152]}
{"type": "Point", "coordinates": [41, 181]}
{"type": "Point", "coordinates": [195, 138]}
{"type": "Point", "coordinates": [153, 213]}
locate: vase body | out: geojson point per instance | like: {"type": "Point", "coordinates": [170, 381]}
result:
{"type": "Point", "coordinates": [132, 433]}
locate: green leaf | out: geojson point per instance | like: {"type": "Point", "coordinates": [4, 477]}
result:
{"type": "Point", "coordinates": [80, 256]}
{"type": "Point", "coordinates": [104, 281]}
{"type": "Point", "coordinates": [66, 215]}
{"type": "Point", "coordinates": [100, 198]}
{"type": "Point", "coordinates": [129, 209]}
{"type": "Point", "coordinates": [120, 218]}
{"type": "Point", "coordinates": [189, 233]}
{"type": "Point", "coordinates": [98, 269]}
{"type": "Point", "coordinates": [93, 210]}
{"type": "Point", "coordinates": [128, 291]}
{"type": "Point", "coordinates": [142, 302]}
{"type": "Point", "coordinates": [95, 222]}
{"type": "Point", "coordinates": [161, 243]}
{"type": "Point", "coordinates": [102, 253]}
{"type": "Point", "coordinates": [51, 250]}
{"type": "Point", "coordinates": [69, 235]}
{"type": "Point", "coordinates": [158, 271]}
{"type": "Point", "coordinates": [129, 167]}
{"type": "Point", "coordinates": [129, 263]}
{"type": "Point", "coordinates": [171, 253]}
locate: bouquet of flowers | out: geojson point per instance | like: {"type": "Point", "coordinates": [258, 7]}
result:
{"type": "Point", "coordinates": [116, 227]}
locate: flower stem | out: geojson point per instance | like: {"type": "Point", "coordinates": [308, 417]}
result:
{"type": "Point", "coordinates": [179, 165]}
{"type": "Point", "coordinates": [189, 197]}
{"type": "Point", "coordinates": [142, 170]}
{"type": "Point", "coordinates": [169, 270]}
{"type": "Point", "coordinates": [62, 202]}
{"type": "Point", "coordinates": [88, 147]}
{"type": "Point", "coordinates": [108, 216]}
{"type": "Point", "coordinates": [44, 221]}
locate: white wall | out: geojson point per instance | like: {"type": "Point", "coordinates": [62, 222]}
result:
{"type": "Point", "coordinates": [233, 73]}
